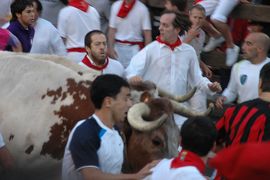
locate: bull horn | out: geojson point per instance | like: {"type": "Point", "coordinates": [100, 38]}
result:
{"type": "Point", "coordinates": [183, 98]}
{"type": "Point", "coordinates": [135, 118]}
{"type": "Point", "coordinates": [184, 111]}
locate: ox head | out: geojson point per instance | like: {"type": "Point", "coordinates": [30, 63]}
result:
{"type": "Point", "coordinates": [154, 133]}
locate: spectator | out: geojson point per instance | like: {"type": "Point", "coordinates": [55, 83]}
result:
{"type": "Point", "coordinates": [195, 36]}
{"type": "Point", "coordinates": [129, 30]}
{"type": "Point", "coordinates": [248, 121]}
{"type": "Point", "coordinates": [219, 11]}
{"type": "Point", "coordinates": [47, 39]}
{"type": "Point", "coordinates": [245, 74]}
{"type": "Point", "coordinates": [74, 22]}
{"type": "Point", "coordinates": [169, 63]}
{"type": "Point", "coordinates": [96, 58]}
{"type": "Point", "coordinates": [20, 24]}
{"type": "Point", "coordinates": [7, 39]}
{"type": "Point", "coordinates": [95, 149]}
{"type": "Point", "coordinates": [198, 137]}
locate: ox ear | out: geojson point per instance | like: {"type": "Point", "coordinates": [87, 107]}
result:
{"type": "Point", "coordinates": [145, 97]}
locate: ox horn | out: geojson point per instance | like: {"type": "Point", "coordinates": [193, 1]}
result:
{"type": "Point", "coordinates": [183, 98]}
{"type": "Point", "coordinates": [135, 118]}
{"type": "Point", "coordinates": [184, 111]}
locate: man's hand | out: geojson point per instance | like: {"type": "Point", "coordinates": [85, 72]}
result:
{"type": "Point", "coordinates": [220, 101]}
{"type": "Point", "coordinates": [146, 170]}
{"type": "Point", "coordinates": [135, 80]}
{"type": "Point", "coordinates": [215, 87]}
{"type": "Point", "coordinates": [206, 70]}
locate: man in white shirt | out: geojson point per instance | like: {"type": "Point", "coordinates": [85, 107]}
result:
{"type": "Point", "coordinates": [198, 135]}
{"type": "Point", "coordinates": [169, 63]}
{"type": "Point", "coordinates": [244, 78]}
{"type": "Point", "coordinates": [95, 149]}
{"type": "Point", "coordinates": [96, 57]}
{"type": "Point", "coordinates": [129, 29]}
{"type": "Point", "coordinates": [74, 22]}
{"type": "Point", "coordinates": [47, 39]}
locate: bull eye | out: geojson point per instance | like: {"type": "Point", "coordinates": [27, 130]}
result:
{"type": "Point", "coordinates": [156, 142]}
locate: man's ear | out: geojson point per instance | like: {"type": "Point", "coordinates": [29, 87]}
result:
{"type": "Point", "coordinates": [18, 15]}
{"type": "Point", "coordinates": [107, 102]}
{"type": "Point", "coordinates": [88, 49]}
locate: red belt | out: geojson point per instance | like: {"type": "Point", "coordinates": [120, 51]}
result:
{"type": "Point", "coordinates": [76, 50]}
{"type": "Point", "coordinates": [140, 44]}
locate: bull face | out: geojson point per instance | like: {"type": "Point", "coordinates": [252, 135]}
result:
{"type": "Point", "coordinates": [157, 140]}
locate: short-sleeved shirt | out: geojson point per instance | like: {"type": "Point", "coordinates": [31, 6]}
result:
{"type": "Point", "coordinates": [92, 144]}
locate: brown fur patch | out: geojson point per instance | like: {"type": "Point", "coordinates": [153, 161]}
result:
{"type": "Point", "coordinates": [68, 116]}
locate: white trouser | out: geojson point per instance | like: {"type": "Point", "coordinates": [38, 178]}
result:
{"type": "Point", "coordinates": [219, 9]}
{"type": "Point", "coordinates": [125, 52]}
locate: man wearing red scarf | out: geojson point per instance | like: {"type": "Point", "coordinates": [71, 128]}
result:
{"type": "Point", "coordinates": [129, 29]}
{"type": "Point", "coordinates": [74, 22]}
{"type": "Point", "coordinates": [169, 63]}
{"type": "Point", "coordinates": [198, 137]}
{"type": "Point", "coordinates": [96, 55]}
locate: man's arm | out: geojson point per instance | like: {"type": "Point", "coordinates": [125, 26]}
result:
{"type": "Point", "coordinates": [111, 40]}
{"type": "Point", "coordinates": [97, 174]}
{"type": "Point", "coordinates": [147, 36]}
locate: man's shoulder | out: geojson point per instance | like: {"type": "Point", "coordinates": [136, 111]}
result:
{"type": "Point", "coordinates": [87, 128]}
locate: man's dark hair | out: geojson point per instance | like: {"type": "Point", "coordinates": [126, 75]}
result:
{"type": "Point", "coordinates": [107, 85]}
{"type": "Point", "coordinates": [265, 78]}
{"type": "Point", "coordinates": [88, 37]}
{"type": "Point", "coordinates": [198, 135]}
{"type": "Point", "coordinates": [180, 4]}
{"type": "Point", "coordinates": [18, 6]}
{"type": "Point", "coordinates": [181, 20]}
{"type": "Point", "coordinates": [39, 6]}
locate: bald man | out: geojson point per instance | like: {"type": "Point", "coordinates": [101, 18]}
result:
{"type": "Point", "coordinates": [244, 77]}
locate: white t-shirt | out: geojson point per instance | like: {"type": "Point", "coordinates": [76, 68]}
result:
{"type": "Point", "coordinates": [113, 67]}
{"type": "Point", "coordinates": [174, 71]}
{"type": "Point", "coordinates": [92, 144]}
{"type": "Point", "coordinates": [130, 28]}
{"type": "Point", "coordinates": [47, 39]}
{"type": "Point", "coordinates": [244, 81]}
{"type": "Point", "coordinates": [162, 171]}
{"type": "Point", "coordinates": [74, 24]}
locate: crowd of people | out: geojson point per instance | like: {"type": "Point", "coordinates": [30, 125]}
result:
{"type": "Point", "coordinates": [117, 39]}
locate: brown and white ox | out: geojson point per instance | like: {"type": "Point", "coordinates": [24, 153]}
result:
{"type": "Point", "coordinates": [42, 98]}
{"type": "Point", "coordinates": [151, 132]}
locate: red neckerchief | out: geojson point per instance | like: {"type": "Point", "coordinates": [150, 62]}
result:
{"type": "Point", "coordinates": [172, 46]}
{"type": "Point", "coordinates": [88, 63]}
{"type": "Point", "coordinates": [187, 158]}
{"type": "Point", "coordinates": [79, 4]}
{"type": "Point", "coordinates": [4, 38]}
{"type": "Point", "coordinates": [196, 2]}
{"type": "Point", "coordinates": [125, 8]}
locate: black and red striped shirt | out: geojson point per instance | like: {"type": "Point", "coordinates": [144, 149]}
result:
{"type": "Point", "coordinates": [245, 122]}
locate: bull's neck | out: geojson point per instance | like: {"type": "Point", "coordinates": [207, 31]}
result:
{"type": "Point", "coordinates": [105, 117]}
